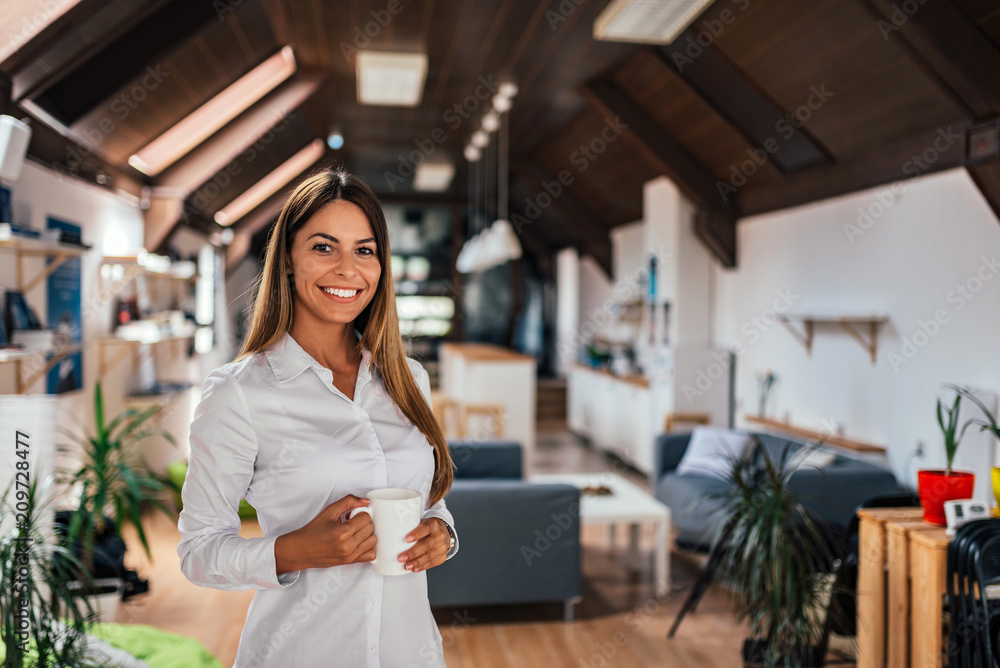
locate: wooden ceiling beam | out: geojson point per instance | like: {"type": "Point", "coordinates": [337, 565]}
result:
{"type": "Point", "coordinates": [715, 221]}
{"type": "Point", "coordinates": [577, 218]}
{"type": "Point", "coordinates": [660, 149]}
{"type": "Point", "coordinates": [931, 151]}
{"type": "Point", "coordinates": [951, 47]}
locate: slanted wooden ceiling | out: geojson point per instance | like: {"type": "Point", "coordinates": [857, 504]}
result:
{"type": "Point", "coordinates": [758, 106]}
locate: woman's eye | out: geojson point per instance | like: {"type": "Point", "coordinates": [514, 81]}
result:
{"type": "Point", "coordinates": [365, 250]}
{"type": "Point", "coordinates": [323, 248]}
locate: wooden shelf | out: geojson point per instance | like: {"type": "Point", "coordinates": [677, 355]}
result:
{"type": "Point", "coordinates": [828, 439]}
{"type": "Point", "coordinates": [850, 323]}
{"type": "Point", "coordinates": [31, 247]}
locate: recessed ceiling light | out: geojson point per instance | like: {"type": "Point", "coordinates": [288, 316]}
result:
{"type": "Point", "coordinates": [647, 21]}
{"type": "Point", "coordinates": [471, 153]}
{"type": "Point", "coordinates": [204, 121]}
{"type": "Point", "coordinates": [393, 79]}
{"type": "Point", "coordinates": [434, 176]}
{"type": "Point", "coordinates": [335, 141]}
{"type": "Point", "coordinates": [270, 184]}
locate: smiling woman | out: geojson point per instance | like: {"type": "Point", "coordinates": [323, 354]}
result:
{"type": "Point", "coordinates": [320, 408]}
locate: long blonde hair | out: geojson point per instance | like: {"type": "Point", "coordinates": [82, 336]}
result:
{"type": "Point", "coordinates": [379, 326]}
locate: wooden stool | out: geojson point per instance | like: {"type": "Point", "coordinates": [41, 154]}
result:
{"type": "Point", "coordinates": [492, 412]}
{"type": "Point", "coordinates": [695, 418]}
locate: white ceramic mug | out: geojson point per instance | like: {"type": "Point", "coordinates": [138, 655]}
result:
{"type": "Point", "coordinates": [396, 512]}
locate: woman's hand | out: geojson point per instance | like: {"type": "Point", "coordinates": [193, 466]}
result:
{"type": "Point", "coordinates": [326, 541]}
{"type": "Point", "coordinates": [433, 541]}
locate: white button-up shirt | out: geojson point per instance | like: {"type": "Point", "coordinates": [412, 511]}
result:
{"type": "Point", "coordinates": [274, 429]}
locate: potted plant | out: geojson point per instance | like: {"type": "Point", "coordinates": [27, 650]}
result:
{"type": "Point", "coordinates": [106, 482]}
{"type": "Point", "coordinates": [778, 561]}
{"type": "Point", "coordinates": [936, 486]}
{"type": "Point", "coordinates": [43, 622]}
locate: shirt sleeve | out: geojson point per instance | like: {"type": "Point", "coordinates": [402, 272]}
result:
{"type": "Point", "coordinates": [220, 467]}
{"type": "Point", "coordinates": [439, 509]}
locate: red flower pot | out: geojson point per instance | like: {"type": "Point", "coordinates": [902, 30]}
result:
{"type": "Point", "coordinates": [935, 487]}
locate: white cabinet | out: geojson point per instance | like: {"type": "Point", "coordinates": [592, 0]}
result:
{"type": "Point", "coordinates": [616, 415]}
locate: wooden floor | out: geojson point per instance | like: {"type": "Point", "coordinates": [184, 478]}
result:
{"type": "Point", "coordinates": [619, 622]}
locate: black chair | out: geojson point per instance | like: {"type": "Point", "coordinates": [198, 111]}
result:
{"type": "Point", "coordinates": [974, 565]}
{"type": "Point", "coordinates": [842, 617]}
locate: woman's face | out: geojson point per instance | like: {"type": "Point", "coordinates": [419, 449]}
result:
{"type": "Point", "coordinates": [334, 263]}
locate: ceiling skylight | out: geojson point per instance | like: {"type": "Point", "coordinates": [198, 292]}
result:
{"type": "Point", "coordinates": [204, 121]}
{"type": "Point", "coordinates": [391, 79]}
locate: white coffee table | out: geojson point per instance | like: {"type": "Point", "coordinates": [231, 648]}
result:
{"type": "Point", "coordinates": [627, 504]}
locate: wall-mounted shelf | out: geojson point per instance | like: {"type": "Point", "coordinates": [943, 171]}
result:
{"type": "Point", "coordinates": [855, 325]}
{"type": "Point", "coordinates": [127, 346]}
{"type": "Point", "coordinates": [828, 439]}
{"type": "Point", "coordinates": [29, 247]}
{"type": "Point", "coordinates": [20, 354]}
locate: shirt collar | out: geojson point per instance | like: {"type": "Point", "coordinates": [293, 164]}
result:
{"type": "Point", "coordinates": [288, 359]}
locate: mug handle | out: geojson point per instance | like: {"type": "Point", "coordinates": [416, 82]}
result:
{"type": "Point", "coordinates": [354, 513]}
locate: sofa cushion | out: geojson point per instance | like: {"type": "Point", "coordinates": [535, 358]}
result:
{"type": "Point", "coordinates": [694, 503]}
{"type": "Point", "coordinates": [487, 459]}
{"type": "Point", "coordinates": [712, 451]}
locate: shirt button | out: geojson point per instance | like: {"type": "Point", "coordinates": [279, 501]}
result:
{"type": "Point", "coordinates": [364, 417]}
{"type": "Point", "coordinates": [374, 599]}
{"type": "Point", "coordinates": [378, 457]}
{"type": "Point", "coordinates": [375, 648]}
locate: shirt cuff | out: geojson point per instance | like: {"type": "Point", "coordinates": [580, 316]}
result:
{"type": "Point", "coordinates": [454, 550]}
{"type": "Point", "coordinates": [285, 579]}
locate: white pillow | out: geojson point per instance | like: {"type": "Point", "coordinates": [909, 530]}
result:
{"type": "Point", "coordinates": [811, 457]}
{"type": "Point", "coordinates": [712, 451]}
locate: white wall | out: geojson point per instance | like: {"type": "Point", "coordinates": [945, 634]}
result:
{"type": "Point", "coordinates": [902, 253]}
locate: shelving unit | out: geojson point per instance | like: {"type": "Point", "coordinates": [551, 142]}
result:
{"type": "Point", "coordinates": [859, 447]}
{"type": "Point", "coordinates": [24, 247]}
{"type": "Point", "coordinates": [127, 346]}
{"type": "Point", "coordinates": [849, 323]}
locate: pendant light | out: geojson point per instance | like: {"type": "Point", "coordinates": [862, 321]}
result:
{"type": "Point", "coordinates": [498, 243]}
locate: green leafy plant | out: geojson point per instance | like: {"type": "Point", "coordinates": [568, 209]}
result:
{"type": "Point", "coordinates": [107, 481]}
{"type": "Point", "coordinates": [776, 557]}
{"type": "Point", "coordinates": [40, 613]}
{"type": "Point", "coordinates": [990, 424]}
{"type": "Point", "coordinates": [949, 428]}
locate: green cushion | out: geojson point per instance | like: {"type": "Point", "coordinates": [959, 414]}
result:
{"type": "Point", "coordinates": [177, 471]}
{"type": "Point", "coordinates": [160, 649]}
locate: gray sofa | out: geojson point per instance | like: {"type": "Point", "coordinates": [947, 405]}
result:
{"type": "Point", "coordinates": [833, 492]}
{"type": "Point", "coordinates": [519, 541]}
